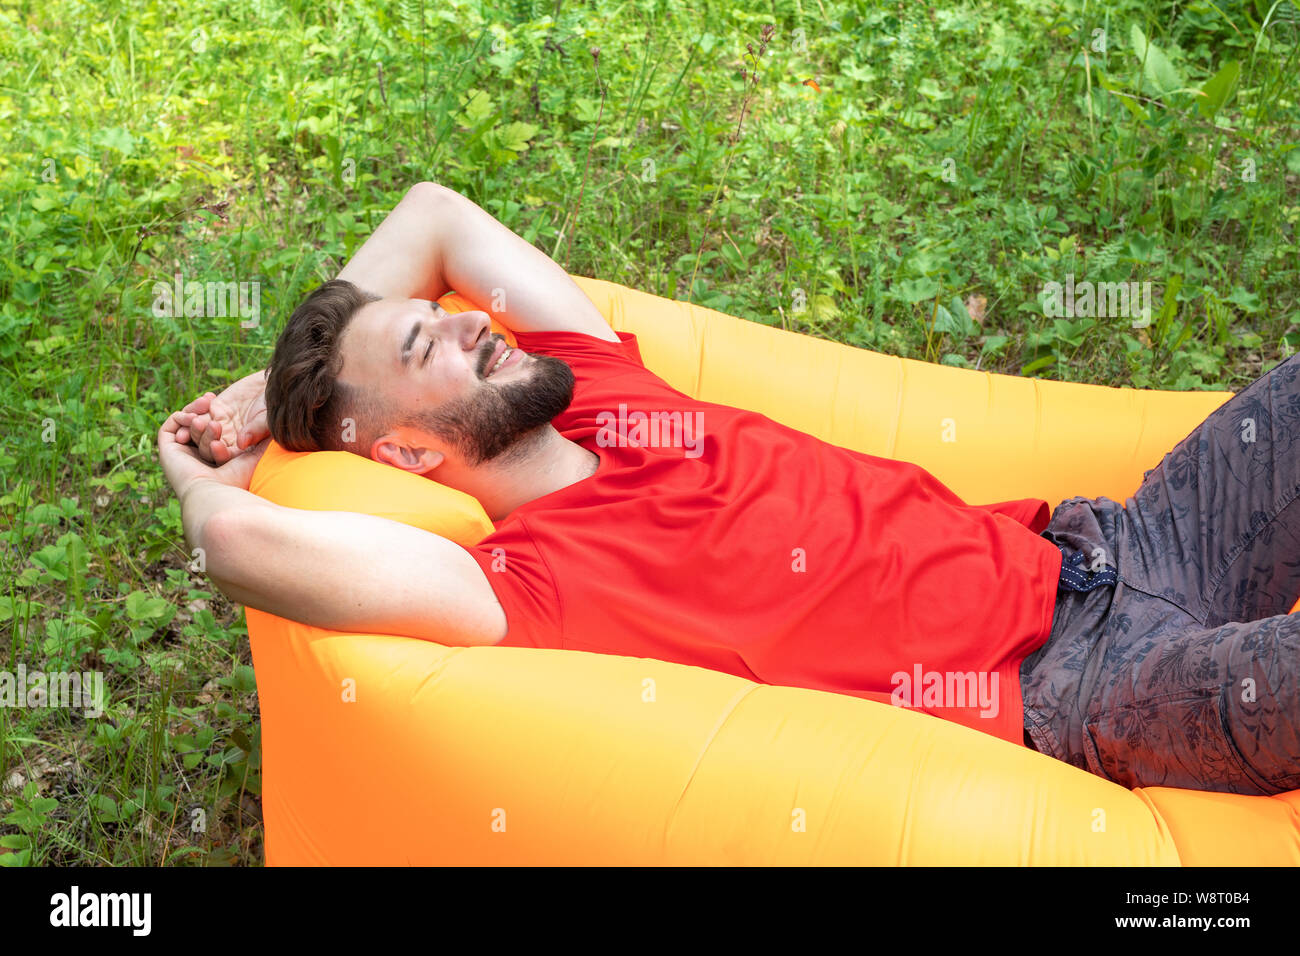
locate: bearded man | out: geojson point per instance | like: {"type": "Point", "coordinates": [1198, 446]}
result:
{"type": "Point", "coordinates": [639, 548]}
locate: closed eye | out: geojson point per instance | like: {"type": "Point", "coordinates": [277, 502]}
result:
{"type": "Point", "coordinates": [435, 309]}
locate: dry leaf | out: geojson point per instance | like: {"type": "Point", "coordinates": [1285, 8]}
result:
{"type": "Point", "coordinates": [211, 690]}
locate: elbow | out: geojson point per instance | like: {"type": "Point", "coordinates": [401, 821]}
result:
{"type": "Point", "coordinates": [428, 193]}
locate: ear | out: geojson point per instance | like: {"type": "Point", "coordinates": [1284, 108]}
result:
{"type": "Point", "coordinates": [393, 450]}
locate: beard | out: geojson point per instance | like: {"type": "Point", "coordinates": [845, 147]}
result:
{"type": "Point", "coordinates": [494, 419]}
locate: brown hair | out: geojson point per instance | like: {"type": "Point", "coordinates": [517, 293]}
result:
{"type": "Point", "coordinates": [305, 401]}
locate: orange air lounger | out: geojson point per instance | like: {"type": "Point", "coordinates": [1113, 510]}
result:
{"type": "Point", "coordinates": [388, 750]}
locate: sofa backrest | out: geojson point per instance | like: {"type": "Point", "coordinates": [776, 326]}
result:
{"type": "Point", "coordinates": [988, 437]}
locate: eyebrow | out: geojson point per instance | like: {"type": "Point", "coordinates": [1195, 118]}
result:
{"type": "Point", "coordinates": [410, 340]}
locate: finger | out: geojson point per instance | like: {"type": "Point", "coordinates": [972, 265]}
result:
{"type": "Point", "coordinates": [199, 429]}
{"type": "Point", "coordinates": [256, 430]}
{"type": "Point", "coordinates": [183, 433]}
{"type": "Point", "coordinates": [219, 452]}
{"type": "Point", "coordinates": [170, 426]}
{"type": "Point", "coordinates": [200, 404]}
{"type": "Point", "coordinates": [167, 443]}
{"type": "Point", "coordinates": [212, 436]}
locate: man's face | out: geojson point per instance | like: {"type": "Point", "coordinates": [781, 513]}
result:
{"type": "Point", "coordinates": [450, 377]}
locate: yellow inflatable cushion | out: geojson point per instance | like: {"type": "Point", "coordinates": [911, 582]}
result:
{"type": "Point", "coordinates": [341, 481]}
{"type": "Point", "coordinates": [383, 750]}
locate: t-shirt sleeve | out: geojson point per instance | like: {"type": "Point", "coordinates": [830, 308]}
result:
{"type": "Point", "coordinates": [525, 587]}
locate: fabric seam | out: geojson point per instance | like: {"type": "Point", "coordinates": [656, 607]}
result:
{"type": "Point", "coordinates": [1228, 562]}
{"type": "Point", "coordinates": [1211, 693]}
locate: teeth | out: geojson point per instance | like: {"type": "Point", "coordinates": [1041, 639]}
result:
{"type": "Point", "coordinates": [504, 355]}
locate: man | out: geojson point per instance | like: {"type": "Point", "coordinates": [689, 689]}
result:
{"type": "Point", "coordinates": [764, 552]}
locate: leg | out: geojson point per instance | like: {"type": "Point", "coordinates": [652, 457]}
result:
{"type": "Point", "coordinates": [1179, 705]}
{"type": "Point", "coordinates": [1153, 683]}
{"type": "Point", "coordinates": [1215, 527]}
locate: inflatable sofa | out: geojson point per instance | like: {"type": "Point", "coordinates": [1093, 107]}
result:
{"type": "Point", "coordinates": [390, 750]}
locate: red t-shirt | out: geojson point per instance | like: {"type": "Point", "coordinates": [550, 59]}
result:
{"type": "Point", "coordinates": [723, 539]}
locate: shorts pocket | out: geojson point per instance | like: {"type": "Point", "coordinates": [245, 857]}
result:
{"type": "Point", "coordinates": [1278, 783]}
{"type": "Point", "coordinates": [1175, 740]}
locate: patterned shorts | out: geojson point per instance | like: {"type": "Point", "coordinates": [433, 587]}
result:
{"type": "Point", "coordinates": [1182, 669]}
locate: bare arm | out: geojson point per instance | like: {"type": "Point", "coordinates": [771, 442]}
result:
{"type": "Point", "coordinates": [437, 240]}
{"type": "Point", "coordinates": [334, 569]}
{"type": "Point", "coordinates": [434, 240]}
{"type": "Point", "coordinates": [347, 572]}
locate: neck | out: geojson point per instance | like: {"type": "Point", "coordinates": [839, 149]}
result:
{"type": "Point", "coordinates": [544, 462]}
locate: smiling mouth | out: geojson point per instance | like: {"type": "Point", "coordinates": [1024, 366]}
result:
{"type": "Point", "coordinates": [506, 352]}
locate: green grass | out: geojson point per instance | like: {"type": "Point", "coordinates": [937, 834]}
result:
{"type": "Point", "coordinates": [946, 166]}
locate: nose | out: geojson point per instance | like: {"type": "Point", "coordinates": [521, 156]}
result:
{"type": "Point", "coordinates": [468, 328]}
